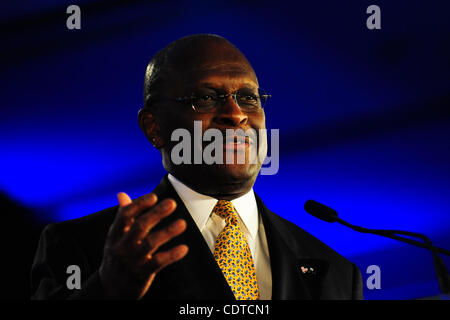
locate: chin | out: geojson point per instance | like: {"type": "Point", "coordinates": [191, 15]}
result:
{"type": "Point", "coordinates": [236, 173]}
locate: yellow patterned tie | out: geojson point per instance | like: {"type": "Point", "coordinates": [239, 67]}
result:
{"type": "Point", "coordinates": [233, 255]}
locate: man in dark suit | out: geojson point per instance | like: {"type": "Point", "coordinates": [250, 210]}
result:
{"type": "Point", "coordinates": [170, 244]}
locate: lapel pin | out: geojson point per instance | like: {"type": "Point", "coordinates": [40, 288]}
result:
{"type": "Point", "coordinates": [312, 268]}
{"type": "Point", "coordinates": [307, 270]}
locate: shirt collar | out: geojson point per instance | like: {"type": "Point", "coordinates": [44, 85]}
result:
{"type": "Point", "coordinates": [200, 206]}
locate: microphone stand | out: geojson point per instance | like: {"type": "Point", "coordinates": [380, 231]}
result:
{"type": "Point", "coordinates": [441, 270]}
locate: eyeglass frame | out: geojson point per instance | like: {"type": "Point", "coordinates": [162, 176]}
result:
{"type": "Point", "coordinates": [221, 97]}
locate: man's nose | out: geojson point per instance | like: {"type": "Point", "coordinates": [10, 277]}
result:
{"type": "Point", "coordinates": [230, 114]}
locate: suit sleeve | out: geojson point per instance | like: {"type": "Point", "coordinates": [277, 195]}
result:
{"type": "Point", "coordinates": [49, 271]}
{"type": "Point", "coordinates": [357, 292]}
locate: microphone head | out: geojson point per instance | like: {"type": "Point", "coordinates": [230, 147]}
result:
{"type": "Point", "coordinates": [320, 211]}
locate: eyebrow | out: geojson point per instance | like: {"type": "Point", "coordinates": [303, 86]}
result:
{"type": "Point", "coordinates": [213, 86]}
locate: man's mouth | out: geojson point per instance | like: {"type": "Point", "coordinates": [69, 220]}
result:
{"type": "Point", "coordinates": [236, 143]}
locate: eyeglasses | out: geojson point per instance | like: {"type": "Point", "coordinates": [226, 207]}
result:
{"type": "Point", "coordinates": [205, 101]}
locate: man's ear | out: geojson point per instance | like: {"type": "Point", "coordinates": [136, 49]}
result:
{"type": "Point", "coordinates": [150, 126]}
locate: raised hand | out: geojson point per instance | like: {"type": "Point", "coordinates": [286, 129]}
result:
{"type": "Point", "coordinates": [130, 262]}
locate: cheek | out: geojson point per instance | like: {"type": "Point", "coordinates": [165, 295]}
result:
{"type": "Point", "coordinates": [174, 121]}
{"type": "Point", "coordinates": [258, 121]}
{"type": "Point", "coordinates": [189, 121]}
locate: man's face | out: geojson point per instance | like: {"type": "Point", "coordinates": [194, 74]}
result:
{"type": "Point", "coordinates": [220, 69]}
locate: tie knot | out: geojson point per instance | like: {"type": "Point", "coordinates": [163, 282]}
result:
{"type": "Point", "coordinates": [225, 210]}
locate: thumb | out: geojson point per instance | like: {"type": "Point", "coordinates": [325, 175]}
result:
{"type": "Point", "coordinates": [124, 199]}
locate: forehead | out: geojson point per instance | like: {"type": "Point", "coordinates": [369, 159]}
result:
{"type": "Point", "coordinates": [211, 61]}
{"type": "Point", "coordinates": [226, 76]}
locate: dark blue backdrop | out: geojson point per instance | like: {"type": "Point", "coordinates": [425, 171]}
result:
{"type": "Point", "coordinates": [363, 114]}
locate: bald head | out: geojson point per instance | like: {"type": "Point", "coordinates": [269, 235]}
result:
{"type": "Point", "coordinates": [195, 55]}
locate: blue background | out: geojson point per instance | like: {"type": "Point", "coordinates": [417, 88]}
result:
{"type": "Point", "coordinates": [363, 114]}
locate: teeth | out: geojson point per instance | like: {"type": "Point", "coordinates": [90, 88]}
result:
{"type": "Point", "coordinates": [236, 139]}
{"type": "Point", "coordinates": [238, 142]}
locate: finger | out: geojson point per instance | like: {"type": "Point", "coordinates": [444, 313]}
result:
{"type": "Point", "coordinates": [154, 240]}
{"type": "Point", "coordinates": [141, 226]}
{"type": "Point", "coordinates": [162, 259]}
{"type": "Point", "coordinates": [125, 215]}
{"type": "Point", "coordinates": [138, 205]}
{"type": "Point", "coordinates": [124, 199]}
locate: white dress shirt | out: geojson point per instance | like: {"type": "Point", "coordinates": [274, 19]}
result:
{"type": "Point", "coordinates": [210, 225]}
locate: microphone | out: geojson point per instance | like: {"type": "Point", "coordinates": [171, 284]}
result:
{"type": "Point", "coordinates": [328, 214]}
{"type": "Point", "coordinates": [320, 211]}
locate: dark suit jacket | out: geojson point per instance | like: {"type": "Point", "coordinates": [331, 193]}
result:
{"type": "Point", "coordinates": [197, 276]}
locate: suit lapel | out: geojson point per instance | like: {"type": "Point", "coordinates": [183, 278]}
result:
{"type": "Point", "coordinates": [196, 276]}
{"type": "Point", "coordinates": [292, 277]}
